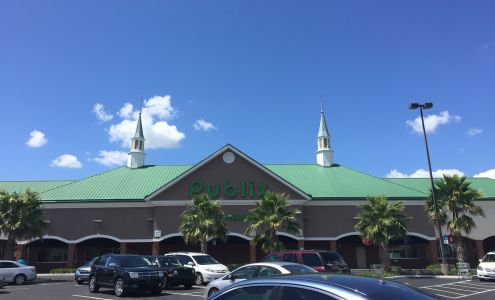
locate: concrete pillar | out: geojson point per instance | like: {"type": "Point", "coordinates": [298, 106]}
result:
{"type": "Point", "coordinates": [123, 248]}
{"type": "Point", "coordinates": [300, 244]}
{"type": "Point", "coordinates": [433, 251]}
{"type": "Point", "coordinates": [480, 249]}
{"type": "Point", "coordinates": [333, 245]}
{"type": "Point", "coordinates": [155, 248]}
{"type": "Point", "coordinates": [252, 253]}
{"type": "Point", "coordinates": [71, 255]}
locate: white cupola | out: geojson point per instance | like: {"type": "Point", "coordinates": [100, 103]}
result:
{"type": "Point", "coordinates": [135, 158]}
{"type": "Point", "coordinates": [324, 154]}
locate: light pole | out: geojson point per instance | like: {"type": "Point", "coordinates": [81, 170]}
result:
{"type": "Point", "coordinates": [429, 105]}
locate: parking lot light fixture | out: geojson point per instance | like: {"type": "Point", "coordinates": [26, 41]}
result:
{"type": "Point", "coordinates": [429, 105]}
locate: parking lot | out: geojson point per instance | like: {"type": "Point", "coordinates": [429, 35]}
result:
{"type": "Point", "coordinates": [66, 288]}
{"type": "Point", "coordinates": [455, 288]}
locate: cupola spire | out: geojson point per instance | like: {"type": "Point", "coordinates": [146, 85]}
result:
{"type": "Point", "coordinates": [324, 153]}
{"type": "Point", "coordinates": [135, 158]}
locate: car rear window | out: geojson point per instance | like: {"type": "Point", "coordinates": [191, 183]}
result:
{"type": "Point", "coordinates": [289, 257]}
{"type": "Point", "coordinates": [311, 259]}
{"type": "Point", "coordinates": [272, 257]}
{"type": "Point", "coordinates": [330, 256]}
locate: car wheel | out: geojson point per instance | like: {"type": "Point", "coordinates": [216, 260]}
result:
{"type": "Point", "coordinates": [212, 291]}
{"type": "Point", "coordinates": [20, 279]}
{"type": "Point", "coordinates": [119, 288]}
{"type": "Point", "coordinates": [199, 279]}
{"type": "Point", "coordinates": [93, 286]}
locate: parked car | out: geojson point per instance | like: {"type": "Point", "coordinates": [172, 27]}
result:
{"type": "Point", "coordinates": [256, 270]}
{"type": "Point", "coordinates": [320, 260]}
{"type": "Point", "coordinates": [206, 267]}
{"type": "Point", "coordinates": [17, 273]}
{"type": "Point", "coordinates": [486, 268]}
{"type": "Point", "coordinates": [175, 273]}
{"type": "Point", "coordinates": [124, 273]}
{"type": "Point", "coordinates": [321, 286]}
{"type": "Point", "coordinates": [82, 273]}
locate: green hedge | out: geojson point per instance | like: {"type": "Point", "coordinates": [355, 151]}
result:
{"type": "Point", "coordinates": [62, 270]}
{"type": "Point", "coordinates": [232, 267]}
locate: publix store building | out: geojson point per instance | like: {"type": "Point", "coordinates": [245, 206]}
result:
{"type": "Point", "coordinates": [137, 209]}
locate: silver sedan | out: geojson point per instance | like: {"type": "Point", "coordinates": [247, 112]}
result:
{"type": "Point", "coordinates": [15, 272]}
{"type": "Point", "coordinates": [256, 270]}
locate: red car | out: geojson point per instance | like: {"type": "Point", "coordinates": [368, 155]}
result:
{"type": "Point", "coordinates": [320, 260]}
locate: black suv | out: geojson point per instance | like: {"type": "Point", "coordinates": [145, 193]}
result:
{"type": "Point", "coordinates": [175, 273]}
{"type": "Point", "coordinates": [125, 273]}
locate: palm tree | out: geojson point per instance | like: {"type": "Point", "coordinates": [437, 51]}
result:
{"type": "Point", "coordinates": [270, 215]}
{"type": "Point", "coordinates": [456, 207]}
{"type": "Point", "coordinates": [202, 220]}
{"type": "Point", "coordinates": [21, 218]}
{"type": "Point", "coordinates": [380, 221]}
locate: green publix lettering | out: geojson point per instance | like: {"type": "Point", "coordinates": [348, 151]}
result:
{"type": "Point", "coordinates": [247, 189]}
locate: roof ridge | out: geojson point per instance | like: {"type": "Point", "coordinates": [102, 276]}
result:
{"type": "Point", "coordinates": [380, 178]}
{"type": "Point", "coordinates": [76, 181]}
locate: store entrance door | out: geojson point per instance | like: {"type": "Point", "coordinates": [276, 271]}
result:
{"type": "Point", "coordinates": [361, 258]}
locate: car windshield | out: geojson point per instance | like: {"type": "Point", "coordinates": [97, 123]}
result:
{"type": "Point", "coordinates": [489, 258]}
{"type": "Point", "coordinates": [133, 261]}
{"type": "Point", "coordinates": [330, 256]}
{"type": "Point", "coordinates": [91, 262]}
{"type": "Point", "coordinates": [168, 261]}
{"type": "Point", "coordinates": [299, 269]}
{"type": "Point", "coordinates": [205, 260]}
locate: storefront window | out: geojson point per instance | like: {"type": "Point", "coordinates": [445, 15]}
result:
{"type": "Point", "coordinates": [404, 251]}
{"type": "Point", "coordinates": [52, 254]}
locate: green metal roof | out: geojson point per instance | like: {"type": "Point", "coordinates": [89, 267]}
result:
{"type": "Point", "coordinates": [35, 186]}
{"type": "Point", "coordinates": [485, 185]}
{"type": "Point", "coordinates": [334, 183]}
{"type": "Point", "coordinates": [121, 184]}
{"type": "Point", "coordinates": [339, 182]}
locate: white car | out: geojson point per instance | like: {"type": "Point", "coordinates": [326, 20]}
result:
{"type": "Point", "coordinates": [206, 267]}
{"type": "Point", "coordinates": [14, 272]}
{"type": "Point", "coordinates": [486, 268]}
{"type": "Point", "coordinates": [256, 270]}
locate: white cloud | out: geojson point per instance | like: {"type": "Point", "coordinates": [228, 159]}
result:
{"type": "Point", "coordinates": [111, 158]}
{"type": "Point", "coordinates": [157, 131]}
{"type": "Point", "coordinates": [37, 139]}
{"type": "Point", "coordinates": [126, 111]}
{"type": "Point", "coordinates": [489, 174]}
{"type": "Point", "coordinates": [432, 122]}
{"type": "Point", "coordinates": [66, 161]}
{"type": "Point", "coordinates": [99, 110]}
{"type": "Point", "coordinates": [201, 124]}
{"type": "Point", "coordinates": [421, 173]}
{"type": "Point", "coordinates": [474, 131]}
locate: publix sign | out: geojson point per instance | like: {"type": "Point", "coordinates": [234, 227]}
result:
{"type": "Point", "coordinates": [245, 189]}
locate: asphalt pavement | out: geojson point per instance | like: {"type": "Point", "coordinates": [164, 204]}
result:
{"type": "Point", "coordinates": [64, 287]}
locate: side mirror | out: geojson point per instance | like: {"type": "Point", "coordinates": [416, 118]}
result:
{"type": "Point", "coordinates": [190, 264]}
{"type": "Point", "coordinates": [112, 265]}
{"type": "Point", "coordinates": [481, 260]}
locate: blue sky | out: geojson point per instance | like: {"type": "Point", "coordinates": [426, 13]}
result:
{"type": "Point", "coordinates": [251, 73]}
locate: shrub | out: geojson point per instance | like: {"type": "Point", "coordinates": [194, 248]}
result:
{"type": "Point", "coordinates": [232, 267]}
{"type": "Point", "coordinates": [62, 270]}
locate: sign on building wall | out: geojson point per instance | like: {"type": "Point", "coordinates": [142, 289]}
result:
{"type": "Point", "coordinates": [245, 189]}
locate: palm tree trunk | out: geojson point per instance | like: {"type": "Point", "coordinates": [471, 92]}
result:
{"type": "Point", "coordinates": [274, 238]}
{"type": "Point", "coordinates": [9, 248]}
{"type": "Point", "coordinates": [384, 257]}
{"type": "Point", "coordinates": [459, 246]}
{"type": "Point", "coordinates": [204, 245]}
